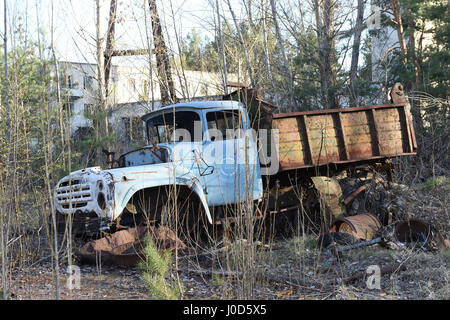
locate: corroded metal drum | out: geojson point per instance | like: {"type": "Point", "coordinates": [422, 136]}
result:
{"type": "Point", "coordinates": [362, 226]}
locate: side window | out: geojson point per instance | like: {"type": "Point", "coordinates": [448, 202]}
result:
{"type": "Point", "coordinates": [225, 122]}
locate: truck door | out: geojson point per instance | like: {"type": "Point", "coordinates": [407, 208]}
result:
{"type": "Point", "coordinates": [232, 153]}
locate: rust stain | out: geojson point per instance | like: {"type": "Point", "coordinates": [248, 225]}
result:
{"type": "Point", "coordinates": [331, 193]}
{"type": "Point", "coordinates": [362, 226]}
{"type": "Point", "coordinates": [143, 172]}
{"type": "Point", "coordinates": [342, 135]}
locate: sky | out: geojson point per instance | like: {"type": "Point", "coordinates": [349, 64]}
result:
{"type": "Point", "coordinates": [74, 22]}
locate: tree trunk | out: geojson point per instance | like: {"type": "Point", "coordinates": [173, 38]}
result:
{"type": "Point", "coordinates": [411, 49]}
{"type": "Point", "coordinates": [241, 40]}
{"type": "Point", "coordinates": [182, 78]}
{"type": "Point", "coordinates": [399, 22]}
{"type": "Point", "coordinates": [324, 14]}
{"type": "Point", "coordinates": [266, 51]}
{"type": "Point", "coordinates": [110, 42]}
{"type": "Point", "coordinates": [283, 53]}
{"type": "Point", "coordinates": [222, 49]}
{"type": "Point", "coordinates": [355, 54]}
{"type": "Point", "coordinates": [103, 126]}
{"type": "Point", "coordinates": [162, 59]}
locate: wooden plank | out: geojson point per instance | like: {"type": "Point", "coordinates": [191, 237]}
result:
{"type": "Point", "coordinates": [359, 139]}
{"type": "Point", "coordinates": [343, 136]}
{"type": "Point", "coordinates": [320, 134]}
{"type": "Point", "coordinates": [320, 122]}
{"type": "Point", "coordinates": [325, 142]}
{"type": "Point", "coordinates": [358, 151]}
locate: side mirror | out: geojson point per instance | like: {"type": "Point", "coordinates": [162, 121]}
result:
{"type": "Point", "coordinates": [207, 171]}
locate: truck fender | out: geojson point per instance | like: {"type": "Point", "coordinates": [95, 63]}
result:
{"type": "Point", "coordinates": [190, 181]}
{"type": "Point", "coordinates": [196, 187]}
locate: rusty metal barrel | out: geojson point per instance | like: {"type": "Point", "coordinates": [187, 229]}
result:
{"type": "Point", "coordinates": [362, 226]}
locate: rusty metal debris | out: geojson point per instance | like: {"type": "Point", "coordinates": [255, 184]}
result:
{"type": "Point", "coordinates": [125, 247]}
{"type": "Point", "coordinates": [413, 233]}
{"type": "Point", "coordinates": [339, 136]}
{"type": "Point", "coordinates": [330, 193]}
{"type": "Point", "coordinates": [354, 194]}
{"type": "Point", "coordinates": [389, 230]}
{"type": "Point", "coordinates": [362, 226]}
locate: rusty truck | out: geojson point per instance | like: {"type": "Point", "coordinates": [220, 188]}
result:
{"type": "Point", "coordinates": [235, 150]}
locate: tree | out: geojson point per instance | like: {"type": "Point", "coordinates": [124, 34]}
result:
{"type": "Point", "coordinates": [324, 11]}
{"type": "Point", "coordinates": [354, 92]}
{"type": "Point", "coordinates": [162, 59]}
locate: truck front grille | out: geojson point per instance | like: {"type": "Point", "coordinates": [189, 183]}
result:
{"type": "Point", "coordinates": [76, 194]}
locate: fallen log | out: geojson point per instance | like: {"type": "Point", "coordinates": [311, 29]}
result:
{"type": "Point", "coordinates": [356, 245]}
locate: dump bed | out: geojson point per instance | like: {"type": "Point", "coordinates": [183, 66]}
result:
{"type": "Point", "coordinates": [333, 136]}
{"type": "Point", "coordinates": [339, 136]}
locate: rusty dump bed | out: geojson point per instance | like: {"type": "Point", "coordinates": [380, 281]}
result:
{"type": "Point", "coordinates": [340, 136]}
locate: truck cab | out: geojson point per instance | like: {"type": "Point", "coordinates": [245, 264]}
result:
{"type": "Point", "coordinates": [204, 150]}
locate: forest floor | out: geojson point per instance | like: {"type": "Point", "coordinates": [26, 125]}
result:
{"type": "Point", "coordinates": [290, 268]}
{"type": "Point", "coordinates": [426, 277]}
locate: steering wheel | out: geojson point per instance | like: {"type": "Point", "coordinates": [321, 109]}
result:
{"type": "Point", "coordinates": [153, 147]}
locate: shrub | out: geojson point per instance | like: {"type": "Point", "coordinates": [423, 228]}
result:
{"type": "Point", "coordinates": [155, 268]}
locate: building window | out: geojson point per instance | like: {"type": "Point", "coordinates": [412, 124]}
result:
{"type": "Point", "coordinates": [69, 81]}
{"type": "Point", "coordinates": [134, 129]}
{"type": "Point", "coordinates": [88, 110]}
{"type": "Point", "coordinates": [68, 107]}
{"type": "Point", "coordinates": [88, 82]}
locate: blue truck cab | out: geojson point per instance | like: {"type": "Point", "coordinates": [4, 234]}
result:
{"type": "Point", "coordinates": [206, 149]}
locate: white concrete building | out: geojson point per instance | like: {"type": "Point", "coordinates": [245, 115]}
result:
{"type": "Point", "coordinates": [385, 41]}
{"type": "Point", "coordinates": [131, 93]}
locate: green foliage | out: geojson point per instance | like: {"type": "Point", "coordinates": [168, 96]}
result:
{"type": "Point", "coordinates": [155, 269]}
{"type": "Point", "coordinates": [198, 54]}
{"type": "Point", "coordinates": [434, 182]}
{"type": "Point", "coordinates": [32, 117]}
{"type": "Point", "coordinates": [217, 280]}
{"type": "Point", "coordinates": [427, 66]}
{"type": "Point", "coordinates": [306, 59]}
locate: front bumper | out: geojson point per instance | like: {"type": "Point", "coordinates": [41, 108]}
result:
{"type": "Point", "coordinates": [82, 223]}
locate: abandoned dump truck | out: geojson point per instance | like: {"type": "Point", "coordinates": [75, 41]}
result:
{"type": "Point", "coordinates": [213, 154]}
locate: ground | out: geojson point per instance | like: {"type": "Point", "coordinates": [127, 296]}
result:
{"type": "Point", "coordinates": [288, 268]}
{"type": "Point", "coordinates": [426, 277]}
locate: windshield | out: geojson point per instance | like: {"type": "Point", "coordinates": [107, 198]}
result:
{"type": "Point", "coordinates": [161, 128]}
